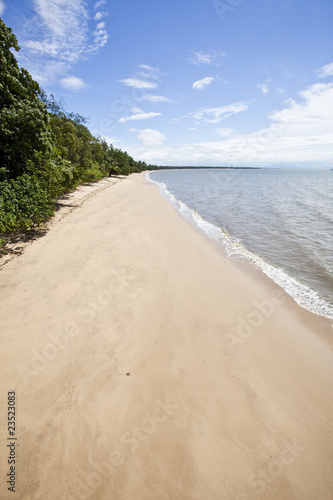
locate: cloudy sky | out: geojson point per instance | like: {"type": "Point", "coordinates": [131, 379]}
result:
{"type": "Point", "coordinates": [189, 82]}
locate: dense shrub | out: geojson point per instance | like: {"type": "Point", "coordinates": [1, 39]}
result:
{"type": "Point", "coordinates": [24, 204]}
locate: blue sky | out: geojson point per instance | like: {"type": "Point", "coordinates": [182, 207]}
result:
{"type": "Point", "coordinates": [189, 82]}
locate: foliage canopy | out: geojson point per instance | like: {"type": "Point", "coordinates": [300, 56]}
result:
{"type": "Point", "coordinates": [24, 127]}
{"type": "Point", "coordinates": [44, 150]}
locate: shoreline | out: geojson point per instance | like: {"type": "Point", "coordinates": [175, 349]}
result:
{"type": "Point", "coordinates": [255, 273]}
{"type": "Point", "coordinates": [149, 365]}
{"type": "Point", "coordinates": [301, 293]}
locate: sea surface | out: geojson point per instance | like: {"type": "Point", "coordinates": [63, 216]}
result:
{"type": "Point", "coordinates": [281, 220]}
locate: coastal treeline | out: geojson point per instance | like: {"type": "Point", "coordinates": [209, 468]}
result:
{"type": "Point", "coordinates": [45, 151]}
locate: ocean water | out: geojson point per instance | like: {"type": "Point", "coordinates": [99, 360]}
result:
{"type": "Point", "coordinates": [281, 220]}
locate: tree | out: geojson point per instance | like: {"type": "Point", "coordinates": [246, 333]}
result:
{"type": "Point", "coordinates": [58, 108]}
{"type": "Point", "coordinates": [44, 150]}
{"type": "Point", "coordinates": [23, 116]}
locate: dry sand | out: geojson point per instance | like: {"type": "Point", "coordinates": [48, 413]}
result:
{"type": "Point", "coordinates": [148, 366]}
{"type": "Point", "coordinates": [17, 243]}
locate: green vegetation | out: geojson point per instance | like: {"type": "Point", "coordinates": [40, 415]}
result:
{"type": "Point", "coordinates": [44, 151]}
{"type": "Point", "coordinates": [24, 203]}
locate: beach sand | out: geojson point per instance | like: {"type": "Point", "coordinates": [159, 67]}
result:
{"type": "Point", "coordinates": [147, 365]}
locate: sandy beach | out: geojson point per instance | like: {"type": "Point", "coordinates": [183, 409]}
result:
{"type": "Point", "coordinates": [147, 365]}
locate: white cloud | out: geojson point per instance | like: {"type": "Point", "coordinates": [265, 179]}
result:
{"type": "Point", "coordinates": [202, 84]}
{"type": "Point", "coordinates": [99, 15]}
{"type": "Point", "coordinates": [107, 138]}
{"type": "Point", "coordinates": [216, 115]}
{"type": "Point", "coordinates": [314, 116]}
{"type": "Point", "coordinates": [148, 78]}
{"type": "Point", "coordinates": [100, 37]}
{"type": "Point", "coordinates": [150, 137]}
{"type": "Point", "coordinates": [224, 132]}
{"type": "Point", "coordinates": [325, 71]}
{"type": "Point", "coordinates": [300, 134]}
{"type": "Point", "coordinates": [138, 114]}
{"type": "Point", "coordinates": [144, 75]}
{"type": "Point", "coordinates": [101, 25]}
{"type": "Point", "coordinates": [57, 37]}
{"type": "Point", "coordinates": [72, 83]}
{"type": "Point", "coordinates": [155, 98]}
{"type": "Point", "coordinates": [43, 48]}
{"type": "Point", "coordinates": [99, 4]}
{"type": "Point", "coordinates": [201, 57]}
{"type": "Point", "coordinates": [137, 83]}
{"type": "Point", "coordinates": [2, 7]}
{"type": "Point", "coordinates": [146, 66]}
{"type": "Point", "coordinates": [264, 86]}
{"type": "Point", "coordinates": [149, 73]}
{"type": "Point", "coordinates": [137, 110]}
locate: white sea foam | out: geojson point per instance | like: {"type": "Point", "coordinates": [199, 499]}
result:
{"type": "Point", "coordinates": [302, 294]}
